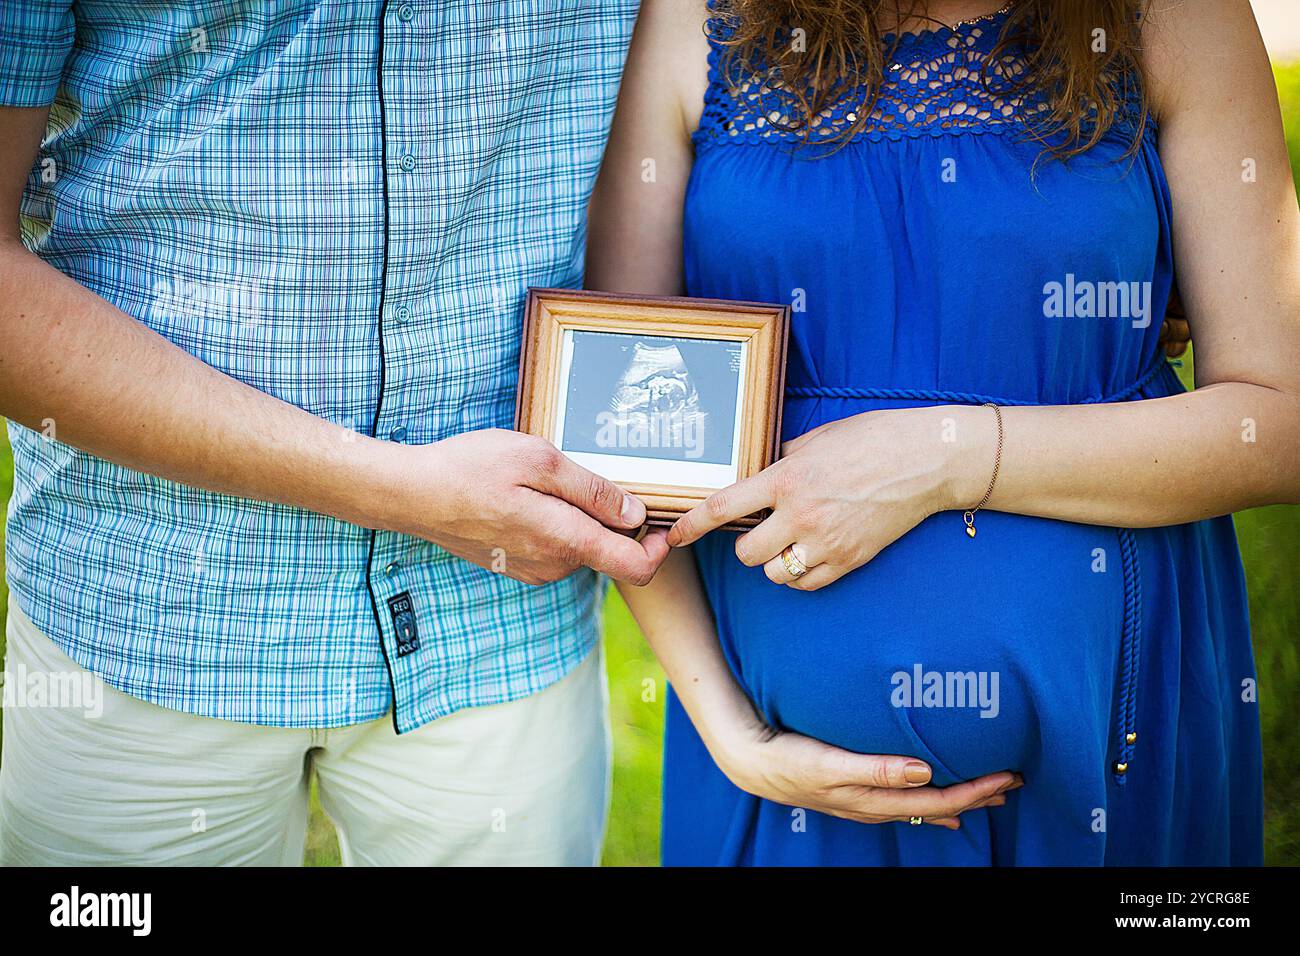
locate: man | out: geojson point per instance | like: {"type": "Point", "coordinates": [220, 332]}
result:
{"type": "Point", "coordinates": [277, 252]}
{"type": "Point", "coordinates": [258, 337]}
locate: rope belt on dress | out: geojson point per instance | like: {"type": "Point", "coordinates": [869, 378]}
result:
{"type": "Point", "coordinates": [1131, 637]}
{"type": "Point", "coordinates": [1130, 652]}
{"type": "Point", "coordinates": [961, 398]}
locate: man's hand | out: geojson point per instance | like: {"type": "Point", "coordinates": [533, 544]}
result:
{"type": "Point", "coordinates": [515, 504]}
{"type": "Point", "coordinates": [1175, 333]}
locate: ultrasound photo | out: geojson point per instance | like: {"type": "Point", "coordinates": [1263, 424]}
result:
{"type": "Point", "coordinates": [646, 396]}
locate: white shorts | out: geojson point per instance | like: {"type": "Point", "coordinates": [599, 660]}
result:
{"type": "Point", "coordinates": [520, 783]}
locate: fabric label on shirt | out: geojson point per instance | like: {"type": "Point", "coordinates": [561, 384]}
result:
{"type": "Point", "coordinates": [403, 611]}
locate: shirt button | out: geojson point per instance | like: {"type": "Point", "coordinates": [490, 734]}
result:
{"type": "Point", "coordinates": [407, 162]}
{"type": "Point", "coordinates": [391, 568]}
{"type": "Point", "coordinates": [403, 314]}
{"type": "Point", "coordinates": [405, 12]}
{"type": "Point", "coordinates": [398, 433]}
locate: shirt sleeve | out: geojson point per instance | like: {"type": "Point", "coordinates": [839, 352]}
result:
{"type": "Point", "coordinates": [35, 39]}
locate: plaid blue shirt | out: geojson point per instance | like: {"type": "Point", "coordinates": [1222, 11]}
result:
{"type": "Point", "coordinates": [341, 204]}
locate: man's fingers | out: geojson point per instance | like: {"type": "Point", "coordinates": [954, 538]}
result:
{"type": "Point", "coordinates": [738, 501]}
{"type": "Point", "coordinates": [1175, 306]}
{"type": "Point", "coordinates": [617, 555]}
{"type": "Point", "coordinates": [596, 496]}
{"type": "Point", "coordinates": [1175, 332]}
{"type": "Point", "coordinates": [656, 547]}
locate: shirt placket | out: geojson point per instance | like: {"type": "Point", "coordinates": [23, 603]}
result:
{"type": "Point", "coordinates": [409, 112]}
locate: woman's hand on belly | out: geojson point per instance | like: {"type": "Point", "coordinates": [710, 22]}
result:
{"type": "Point", "coordinates": [795, 770]}
{"type": "Point", "coordinates": [840, 494]}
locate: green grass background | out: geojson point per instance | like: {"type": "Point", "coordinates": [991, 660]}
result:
{"type": "Point", "coordinates": [1270, 546]}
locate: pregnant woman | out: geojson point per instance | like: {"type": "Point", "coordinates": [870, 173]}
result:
{"type": "Point", "coordinates": [995, 541]}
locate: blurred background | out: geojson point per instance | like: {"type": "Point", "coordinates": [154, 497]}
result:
{"type": "Point", "coordinates": [1270, 546]}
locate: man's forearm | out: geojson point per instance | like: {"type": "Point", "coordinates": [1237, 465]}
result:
{"type": "Point", "coordinates": [116, 389]}
{"type": "Point", "coordinates": [113, 387]}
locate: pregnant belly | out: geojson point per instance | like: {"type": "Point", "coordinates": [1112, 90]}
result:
{"type": "Point", "coordinates": [973, 654]}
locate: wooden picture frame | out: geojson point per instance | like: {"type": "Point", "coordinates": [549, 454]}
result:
{"type": "Point", "coordinates": [568, 337]}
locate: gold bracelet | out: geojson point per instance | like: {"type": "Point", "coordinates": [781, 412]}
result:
{"type": "Point", "coordinates": [969, 516]}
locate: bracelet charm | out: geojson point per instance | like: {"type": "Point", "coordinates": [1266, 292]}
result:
{"type": "Point", "coordinates": [969, 516]}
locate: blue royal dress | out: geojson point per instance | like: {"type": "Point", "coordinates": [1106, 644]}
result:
{"type": "Point", "coordinates": [938, 258]}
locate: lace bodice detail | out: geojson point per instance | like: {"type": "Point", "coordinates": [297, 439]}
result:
{"type": "Point", "coordinates": [937, 82]}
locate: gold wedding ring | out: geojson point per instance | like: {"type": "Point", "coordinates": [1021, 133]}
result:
{"type": "Point", "coordinates": [916, 821]}
{"type": "Point", "coordinates": [793, 565]}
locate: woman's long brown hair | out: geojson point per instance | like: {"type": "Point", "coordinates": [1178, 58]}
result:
{"type": "Point", "coordinates": [1083, 74]}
